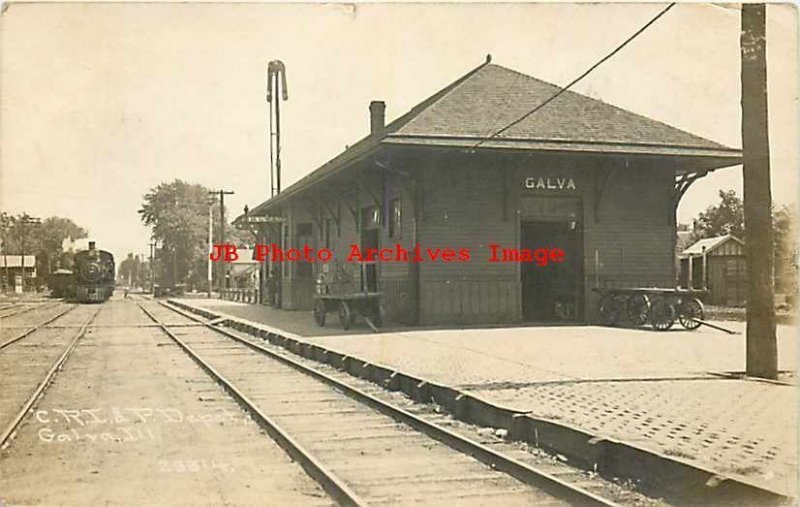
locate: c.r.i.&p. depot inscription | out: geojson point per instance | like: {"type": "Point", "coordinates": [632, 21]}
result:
{"type": "Point", "coordinates": [124, 424]}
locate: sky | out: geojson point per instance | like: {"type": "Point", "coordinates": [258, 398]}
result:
{"type": "Point", "coordinates": [101, 102]}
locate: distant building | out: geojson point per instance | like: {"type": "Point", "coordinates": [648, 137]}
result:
{"type": "Point", "coordinates": [11, 271]}
{"type": "Point", "coordinates": [719, 264]}
{"type": "Point", "coordinates": [244, 272]}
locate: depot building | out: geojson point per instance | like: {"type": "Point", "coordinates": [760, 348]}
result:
{"type": "Point", "coordinates": [596, 181]}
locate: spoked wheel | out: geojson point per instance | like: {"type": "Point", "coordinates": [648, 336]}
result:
{"type": "Point", "coordinates": [638, 309]}
{"type": "Point", "coordinates": [691, 310]}
{"type": "Point", "coordinates": [345, 315]}
{"type": "Point", "coordinates": [319, 312]}
{"type": "Point", "coordinates": [608, 310]}
{"type": "Point", "coordinates": [662, 315]}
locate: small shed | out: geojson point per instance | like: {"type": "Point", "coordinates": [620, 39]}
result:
{"type": "Point", "coordinates": [717, 264]}
{"type": "Point", "coordinates": [244, 271]}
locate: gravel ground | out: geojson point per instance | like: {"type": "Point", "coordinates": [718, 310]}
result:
{"type": "Point", "coordinates": [131, 420]}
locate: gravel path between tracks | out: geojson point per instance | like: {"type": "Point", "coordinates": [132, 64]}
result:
{"type": "Point", "coordinates": [131, 420]}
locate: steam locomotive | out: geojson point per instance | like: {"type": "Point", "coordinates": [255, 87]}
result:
{"type": "Point", "coordinates": [93, 275]}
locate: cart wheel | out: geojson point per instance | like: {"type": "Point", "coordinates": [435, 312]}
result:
{"type": "Point", "coordinates": [319, 312]}
{"type": "Point", "coordinates": [608, 310]}
{"type": "Point", "coordinates": [638, 309]}
{"type": "Point", "coordinates": [662, 315]}
{"type": "Point", "coordinates": [691, 309]}
{"type": "Point", "coordinates": [345, 315]}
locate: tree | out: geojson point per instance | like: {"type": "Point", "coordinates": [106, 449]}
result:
{"type": "Point", "coordinates": [44, 240]}
{"type": "Point", "coordinates": [784, 228]}
{"type": "Point", "coordinates": [53, 231]}
{"type": "Point", "coordinates": [177, 212]}
{"type": "Point", "coordinates": [20, 234]}
{"type": "Point", "coordinates": [727, 217]}
{"type": "Point", "coordinates": [128, 272]}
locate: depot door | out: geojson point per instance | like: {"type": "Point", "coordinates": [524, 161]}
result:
{"type": "Point", "coordinates": [370, 238]}
{"type": "Point", "coordinates": [552, 292]}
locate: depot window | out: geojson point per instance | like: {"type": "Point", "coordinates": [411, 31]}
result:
{"type": "Point", "coordinates": [303, 236]}
{"type": "Point", "coordinates": [395, 224]}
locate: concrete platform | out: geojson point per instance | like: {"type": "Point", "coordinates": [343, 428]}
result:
{"type": "Point", "coordinates": [675, 394]}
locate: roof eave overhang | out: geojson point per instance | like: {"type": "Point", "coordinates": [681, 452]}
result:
{"type": "Point", "coordinates": [688, 158]}
{"type": "Point", "coordinates": [331, 168]}
{"type": "Point", "coordinates": [721, 157]}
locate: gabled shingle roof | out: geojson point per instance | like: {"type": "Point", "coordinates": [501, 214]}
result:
{"type": "Point", "coordinates": [494, 96]}
{"type": "Point", "coordinates": [490, 97]}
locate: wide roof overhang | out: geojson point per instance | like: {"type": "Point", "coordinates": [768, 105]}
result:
{"type": "Point", "coordinates": [687, 159]}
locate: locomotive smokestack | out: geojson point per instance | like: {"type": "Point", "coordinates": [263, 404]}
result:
{"type": "Point", "coordinates": [91, 245]}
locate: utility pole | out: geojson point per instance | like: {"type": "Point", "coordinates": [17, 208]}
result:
{"type": "Point", "coordinates": [4, 225]}
{"type": "Point", "coordinates": [152, 267]}
{"type": "Point", "coordinates": [762, 353]}
{"type": "Point", "coordinates": [222, 193]}
{"type": "Point", "coordinates": [210, 242]}
{"type": "Point", "coordinates": [25, 222]}
{"type": "Point", "coordinates": [276, 80]}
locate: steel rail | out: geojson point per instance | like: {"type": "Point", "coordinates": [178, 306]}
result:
{"type": "Point", "coordinates": [34, 307]}
{"type": "Point", "coordinates": [330, 482]}
{"type": "Point", "coordinates": [9, 431]}
{"type": "Point", "coordinates": [11, 308]}
{"type": "Point", "coordinates": [35, 328]}
{"type": "Point", "coordinates": [498, 461]}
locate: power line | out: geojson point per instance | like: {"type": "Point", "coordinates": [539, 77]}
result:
{"type": "Point", "coordinates": [588, 71]}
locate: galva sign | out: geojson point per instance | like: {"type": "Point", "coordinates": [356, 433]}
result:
{"type": "Point", "coordinates": [550, 183]}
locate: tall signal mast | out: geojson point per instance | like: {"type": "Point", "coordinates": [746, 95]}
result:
{"type": "Point", "coordinates": [276, 82]}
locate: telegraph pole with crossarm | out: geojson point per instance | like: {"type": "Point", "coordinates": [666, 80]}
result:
{"type": "Point", "coordinates": [221, 280]}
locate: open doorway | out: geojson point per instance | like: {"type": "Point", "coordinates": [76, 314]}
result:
{"type": "Point", "coordinates": [554, 292]}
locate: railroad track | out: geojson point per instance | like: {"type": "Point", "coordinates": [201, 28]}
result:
{"type": "Point", "coordinates": [13, 310]}
{"type": "Point", "coordinates": [10, 398]}
{"type": "Point", "coordinates": [360, 449]}
{"type": "Point", "coordinates": [35, 327]}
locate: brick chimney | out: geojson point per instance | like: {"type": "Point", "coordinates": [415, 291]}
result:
{"type": "Point", "coordinates": [377, 117]}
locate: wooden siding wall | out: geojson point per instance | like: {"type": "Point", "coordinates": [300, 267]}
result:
{"type": "Point", "coordinates": [375, 190]}
{"type": "Point", "coordinates": [629, 241]}
{"type": "Point", "coordinates": [397, 279]}
{"type": "Point", "coordinates": [297, 292]}
{"type": "Point", "coordinates": [726, 278]}
{"type": "Point", "coordinates": [462, 201]}
{"type": "Point", "coordinates": [627, 223]}
{"type": "Point", "coordinates": [463, 208]}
